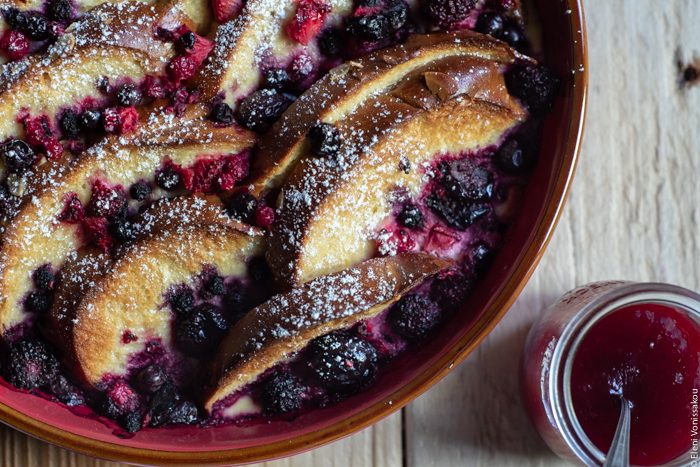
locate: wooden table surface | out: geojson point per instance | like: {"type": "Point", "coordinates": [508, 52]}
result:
{"type": "Point", "coordinates": [633, 213]}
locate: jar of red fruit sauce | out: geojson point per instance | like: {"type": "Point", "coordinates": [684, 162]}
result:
{"type": "Point", "coordinates": [611, 339]}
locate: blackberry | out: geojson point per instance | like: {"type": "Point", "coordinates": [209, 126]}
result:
{"type": "Point", "coordinates": [535, 86]}
{"type": "Point", "coordinates": [133, 421]}
{"type": "Point", "coordinates": [37, 302]}
{"type": "Point", "coordinates": [18, 156]}
{"type": "Point", "coordinates": [121, 229]}
{"type": "Point", "coordinates": [221, 113]}
{"type": "Point", "coordinates": [215, 286]}
{"type": "Point", "coordinates": [479, 257]}
{"type": "Point", "coordinates": [162, 403]}
{"type": "Point", "coordinates": [514, 37]}
{"type": "Point", "coordinates": [467, 183]}
{"type": "Point", "coordinates": [60, 11]}
{"type": "Point", "coordinates": [277, 79]}
{"type": "Point", "coordinates": [444, 13]}
{"type": "Point", "coordinates": [91, 119]}
{"type": "Point", "coordinates": [200, 333]}
{"type": "Point", "coordinates": [187, 41]}
{"type": "Point", "coordinates": [414, 316]}
{"type": "Point", "coordinates": [280, 394]}
{"type": "Point", "coordinates": [378, 26]}
{"type": "Point", "coordinates": [70, 124]}
{"type": "Point", "coordinates": [168, 179]}
{"type": "Point", "coordinates": [65, 391]}
{"type": "Point", "coordinates": [459, 214]}
{"type": "Point", "coordinates": [330, 42]}
{"type": "Point", "coordinates": [325, 139]}
{"type": "Point", "coordinates": [44, 278]}
{"type": "Point", "coordinates": [37, 27]}
{"type": "Point", "coordinates": [514, 157]}
{"type": "Point", "coordinates": [128, 95]}
{"type": "Point", "coordinates": [258, 269]}
{"type": "Point", "coordinates": [30, 364]}
{"type": "Point", "coordinates": [343, 362]}
{"type": "Point", "coordinates": [182, 304]}
{"type": "Point", "coordinates": [490, 23]}
{"type": "Point", "coordinates": [16, 19]}
{"type": "Point", "coordinates": [243, 207]}
{"type": "Point", "coordinates": [184, 413]}
{"type": "Point", "coordinates": [106, 201]}
{"type": "Point", "coordinates": [140, 190]}
{"type": "Point", "coordinates": [260, 110]}
{"type": "Point", "coordinates": [150, 379]}
{"type": "Point", "coordinates": [234, 304]}
{"type": "Point", "coordinates": [411, 216]}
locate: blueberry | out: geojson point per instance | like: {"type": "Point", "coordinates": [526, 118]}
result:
{"type": "Point", "coordinates": [414, 316]}
{"type": "Point", "coordinates": [444, 13]}
{"type": "Point", "coordinates": [187, 41]}
{"type": "Point", "coordinates": [37, 27]}
{"type": "Point", "coordinates": [459, 214]}
{"type": "Point", "coordinates": [277, 79]}
{"type": "Point", "coordinates": [215, 285]}
{"type": "Point", "coordinates": [343, 362]}
{"type": "Point", "coordinates": [37, 302]}
{"type": "Point", "coordinates": [280, 393]}
{"type": "Point", "coordinates": [184, 413]}
{"type": "Point", "coordinates": [65, 391]}
{"type": "Point", "coordinates": [30, 364]}
{"type": "Point", "coordinates": [260, 110]}
{"type": "Point", "coordinates": [258, 269]}
{"type": "Point", "coordinates": [16, 19]}
{"type": "Point", "coordinates": [168, 179]}
{"type": "Point", "coordinates": [330, 42]}
{"type": "Point", "coordinates": [514, 37]}
{"type": "Point", "coordinates": [490, 23]}
{"type": "Point", "coordinates": [162, 403]}
{"type": "Point", "coordinates": [44, 278]}
{"type": "Point", "coordinates": [467, 182]}
{"type": "Point", "coordinates": [60, 10]}
{"type": "Point", "coordinates": [183, 304]}
{"type": "Point", "coordinates": [70, 124]}
{"type": "Point", "coordinates": [514, 157]}
{"type": "Point", "coordinates": [325, 139]}
{"type": "Point", "coordinates": [479, 257]}
{"type": "Point", "coordinates": [234, 304]}
{"type": "Point", "coordinates": [133, 421]}
{"type": "Point", "coordinates": [121, 229]}
{"type": "Point", "coordinates": [243, 207]}
{"type": "Point", "coordinates": [91, 119]}
{"type": "Point", "coordinates": [140, 190]}
{"type": "Point", "coordinates": [375, 27]}
{"type": "Point", "coordinates": [150, 379]}
{"type": "Point", "coordinates": [411, 216]}
{"type": "Point", "coordinates": [128, 95]}
{"type": "Point", "coordinates": [200, 333]}
{"type": "Point", "coordinates": [18, 156]}
{"type": "Point", "coordinates": [221, 113]}
{"type": "Point", "coordinates": [535, 86]}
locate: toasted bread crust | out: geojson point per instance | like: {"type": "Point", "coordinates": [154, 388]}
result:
{"type": "Point", "coordinates": [288, 322]}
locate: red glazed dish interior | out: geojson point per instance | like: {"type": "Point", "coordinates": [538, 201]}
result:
{"type": "Point", "coordinates": [405, 378]}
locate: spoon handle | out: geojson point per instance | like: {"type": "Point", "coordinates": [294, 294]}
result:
{"type": "Point", "coordinates": [619, 453]}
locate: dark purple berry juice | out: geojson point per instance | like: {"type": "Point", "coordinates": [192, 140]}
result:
{"type": "Point", "coordinates": [650, 354]}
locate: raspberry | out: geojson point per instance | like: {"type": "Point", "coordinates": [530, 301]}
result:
{"type": "Point", "coordinates": [15, 44]}
{"type": "Point", "coordinates": [226, 9]}
{"type": "Point", "coordinates": [441, 239]}
{"type": "Point", "coordinates": [73, 213]}
{"type": "Point", "coordinates": [182, 67]}
{"type": "Point", "coordinates": [264, 216]}
{"type": "Point", "coordinates": [128, 337]}
{"type": "Point", "coordinates": [106, 201]}
{"type": "Point", "coordinates": [128, 120]}
{"type": "Point", "coordinates": [196, 47]}
{"type": "Point", "coordinates": [111, 120]}
{"type": "Point", "coordinates": [414, 316]}
{"type": "Point", "coordinates": [193, 98]}
{"type": "Point", "coordinates": [153, 89]}
{"type": "Point", "coordinates": [37, 130]}
{"type": "Point", "coordinates": [97, 231]}
{"type": "Point", "coordinates": [53, 148]}
{"type": "Point", "coordinates": [444, 13]}
{"type": "Point", "coordinates": [235, 170]}
{"type": "Point", "coordinates": [308, 20]}
{"type": "Point", "coordinates": [204, 176]}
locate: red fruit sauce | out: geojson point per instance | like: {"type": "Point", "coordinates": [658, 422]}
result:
{"type": "Point", "coordinates": [650, 353]}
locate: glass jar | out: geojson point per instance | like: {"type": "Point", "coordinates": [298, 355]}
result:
{"type": "Point", "coordinates": [550, 350]}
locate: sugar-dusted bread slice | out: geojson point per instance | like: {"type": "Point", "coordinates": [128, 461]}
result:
{"type": "Point", "coordinates": [438, 97]}
{"type": "Point", "coordinates": [348, 87]}
{"type": "Point", "coordinates": [107, 331]}
{"type": "Point", "coordinates": [287, 323]}
{"type": "Point", "coordinates": [35, 236]}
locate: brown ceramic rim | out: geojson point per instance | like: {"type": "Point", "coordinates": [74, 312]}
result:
{"type": "Point", "coordinates": [414, 388]}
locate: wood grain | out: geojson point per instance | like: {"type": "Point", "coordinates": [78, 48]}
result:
{"type": "Point", "coordinates": [632, 214]}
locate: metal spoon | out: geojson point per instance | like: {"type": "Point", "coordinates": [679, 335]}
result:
{"type": "Point", "coordinates": [619, 453]}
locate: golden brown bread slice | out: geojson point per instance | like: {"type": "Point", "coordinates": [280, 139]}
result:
{"type": "Point", "coordinates": [344, 89]}
{"type": "Point", "coordinates": [288, 322]}
{"type": "Point", "coordinates": [34, 236]}
{"type": "Point", "coordinates": [129, 297]}
{"type": "Point", "coordinates": [437, 95]}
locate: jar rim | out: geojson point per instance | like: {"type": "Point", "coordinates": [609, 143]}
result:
{"type": "Point", "coordinates": [572, 336]}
